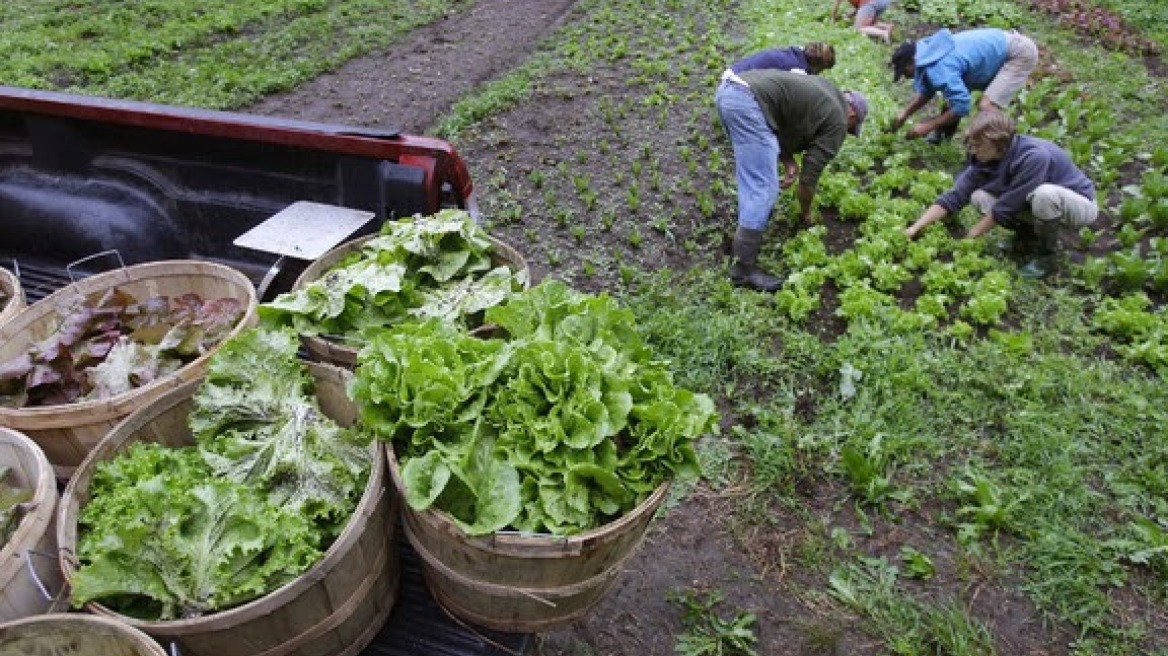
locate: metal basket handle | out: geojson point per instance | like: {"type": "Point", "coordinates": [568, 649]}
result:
{"type": "Point", "coordinates": [113, 251]}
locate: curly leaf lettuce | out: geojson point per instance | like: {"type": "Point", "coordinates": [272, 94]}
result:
{"type": "Point", "coordinates": [257, 423]}
{"type": "Point", "coordinates": [176, 542]}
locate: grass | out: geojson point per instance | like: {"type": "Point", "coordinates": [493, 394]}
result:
{"type": "Point", "coordinates": [219, 55]}
{"type": "Point", "coordinates": [992, 418]}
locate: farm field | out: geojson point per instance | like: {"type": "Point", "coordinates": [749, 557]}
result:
{"type": "Point", "coordinates": [920, 452]}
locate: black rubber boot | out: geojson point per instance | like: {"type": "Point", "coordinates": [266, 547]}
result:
{"type": "Point", "coordinates": [745, 271]}
{"type": "Point", "coordinates": [1021, 244]}
{"type": "Point", "coordinates": [1044, 255]}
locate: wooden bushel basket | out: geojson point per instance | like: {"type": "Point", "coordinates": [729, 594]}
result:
{"type": "Point", "coordinates": [335, 608]}
{"type": "Point", "coordinates": [67, 634]}
{"type": "Point", "coordinates": [325, 349]}
{"type": "Point", "coordinates": [29, 575]}
{"type": "Point", "coordinates": [68, 432]}
{"type": "Point", "coordinates": [521, 583]}
{"type": "Point", "coordinates": [10, 285]}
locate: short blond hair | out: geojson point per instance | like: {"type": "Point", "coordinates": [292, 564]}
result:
{"type": "Point", "coordinates": [820, 56]}
{"type": "Point", "coordinates": [991, 127]}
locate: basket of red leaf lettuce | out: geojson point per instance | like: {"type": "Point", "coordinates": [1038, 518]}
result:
{"type": "Point", "coordinates": [75, 363]}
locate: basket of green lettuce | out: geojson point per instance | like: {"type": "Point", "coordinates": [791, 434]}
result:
{"type": "Point", "coordinates": [531, 462]}
{"type": "Point", "coordinates": [238, 514]}
{"type": "Point", "coordinates": [442, 266]}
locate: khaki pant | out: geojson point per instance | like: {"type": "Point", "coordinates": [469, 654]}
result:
{"type": "Point", "coordinates": [1048, 202]}
{"type": "Point", "coordinates": [1021, 58]}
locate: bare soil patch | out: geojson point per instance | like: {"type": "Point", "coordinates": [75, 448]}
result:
{"type": "Point", "coordinates": [409, 85]}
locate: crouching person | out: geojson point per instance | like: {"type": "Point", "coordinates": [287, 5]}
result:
{"type": "Point", "coordinates": [1025, 184]}
{"type": "Point", "coordinates": [770, 116]}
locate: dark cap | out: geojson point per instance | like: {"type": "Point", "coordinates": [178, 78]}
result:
{"type": "Point", "coordinates": [902, 58]}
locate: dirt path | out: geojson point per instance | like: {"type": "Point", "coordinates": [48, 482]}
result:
{"type": "Point", "coordinates": [411, 84]}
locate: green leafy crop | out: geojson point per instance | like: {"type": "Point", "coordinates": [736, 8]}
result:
{"type": "Point", "coordinates": [258, 424]}
{"type": "Point", "coordinates": [437, 266]}
{"type": "Point", "coordinates": [566, 423]}
{"type": "Point", "coordinates": [171, 533]}
{"type": "Point", "coordinates": [164, 539]}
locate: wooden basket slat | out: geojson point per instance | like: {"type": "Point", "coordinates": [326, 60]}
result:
{"type": "Point", "coordinates": [10, 285]}
{"type": "Point", "coordinates": [20, 596]}
{"type": "Point", "coordinates": [521, 583]}
{"type": "Point", "coordinates": [65, 633]}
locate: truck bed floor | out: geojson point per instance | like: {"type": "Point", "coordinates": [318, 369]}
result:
{"type": "Point", "coordinates": [418, 626]}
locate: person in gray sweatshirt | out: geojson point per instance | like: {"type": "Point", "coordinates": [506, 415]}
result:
{"type": "Point", "coordinates": [1022, 183]}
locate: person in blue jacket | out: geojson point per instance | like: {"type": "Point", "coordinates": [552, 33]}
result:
{"type": "Point", "coordinates": [1022, 183]}
{"type": "Point", "coordinates": [813, 58]}
{"type": "Point", "coordinates": [995, 61]}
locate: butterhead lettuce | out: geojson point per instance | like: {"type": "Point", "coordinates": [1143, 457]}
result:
{"type": "Point", "coordinates": [562, 423]}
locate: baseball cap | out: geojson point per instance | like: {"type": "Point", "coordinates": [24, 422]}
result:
{"type": "Point", "coordinates": [901, 58]}
{"type": "Point", "coordinates": [860, 106]}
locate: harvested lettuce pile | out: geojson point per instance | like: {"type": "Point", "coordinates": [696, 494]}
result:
{"type": "Point", "coordinates": [271, 482]}
{"type": "Point", "coordinates": [437, 266]}
{"type": "Point", "coordinates": [563, 426]}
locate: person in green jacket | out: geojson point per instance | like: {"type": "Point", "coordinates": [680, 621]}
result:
{"type": "Point", "coordinates": [770, 116]}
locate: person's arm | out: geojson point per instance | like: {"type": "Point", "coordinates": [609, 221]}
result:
{"type": "Point", "coordinates": [790, 170]}
{"type": "Point", "coordinates": [959, 101]}
{"type": "Point", "coordinates": [981, 227]}
{"type": "Point", "coordinates": [948, 117]}
{"type": "Point", "coordinates": [930, 215]}
{"type": "Point", "coordinates": [822, 150]}
{"type": "Point", "coordinates": [918, 101]}
{"type": "Point", "coordinates": [806, 195]}
{"type": "Point", "coordinates": [952, 201]}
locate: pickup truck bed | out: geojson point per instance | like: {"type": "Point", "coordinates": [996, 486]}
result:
{"type": "Point", "coordinates": [81, 176]}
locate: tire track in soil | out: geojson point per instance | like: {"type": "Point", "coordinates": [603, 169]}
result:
{"type": "Point", "coordinates": [412, 83]}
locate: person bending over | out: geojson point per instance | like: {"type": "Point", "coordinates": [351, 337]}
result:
{"type": "Point", "coordinates": [769, 117]}
{"type": "Point", "coordinates": [995, 61]}
{"type": "Point", "coordinates": [867, 11]}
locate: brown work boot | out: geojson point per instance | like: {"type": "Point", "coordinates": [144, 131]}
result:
{"type": "Point", "coordinates": [745, 271]}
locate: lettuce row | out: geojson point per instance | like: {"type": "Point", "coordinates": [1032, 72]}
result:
{"type": "Point", "coordinates": [561, 425]}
